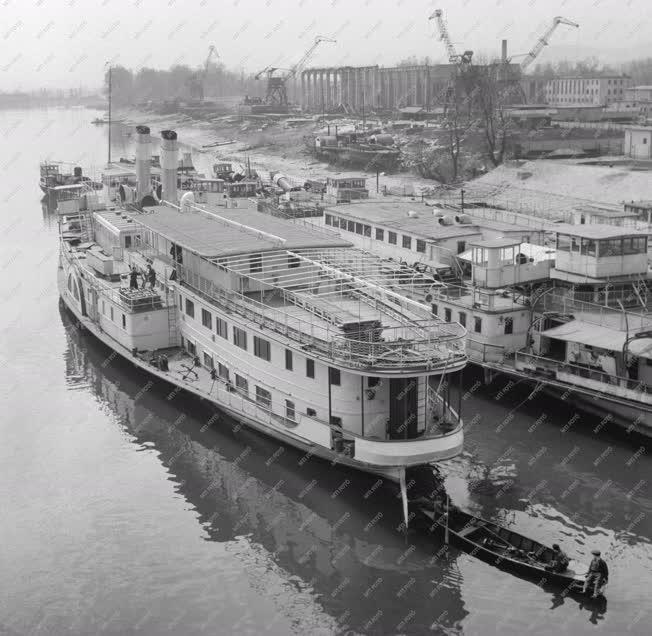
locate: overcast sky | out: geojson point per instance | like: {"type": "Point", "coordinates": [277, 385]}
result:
{"type": "Point", "coordinates": [66, 42]}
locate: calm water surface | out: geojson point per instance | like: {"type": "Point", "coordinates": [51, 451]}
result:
{"type": "Point", "coordinates": [124, 512]}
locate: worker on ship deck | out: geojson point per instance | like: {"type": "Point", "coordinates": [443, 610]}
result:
{"type": "Point", "coordinates": [133, 277]}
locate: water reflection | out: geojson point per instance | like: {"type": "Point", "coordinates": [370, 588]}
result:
{"type": "Point", "coordinates": [334, 533]}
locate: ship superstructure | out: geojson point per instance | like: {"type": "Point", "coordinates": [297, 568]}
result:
{"type": "Point", "coordinates": [568, 311]}
{"type": "Point", "coordinates": [286, 327]}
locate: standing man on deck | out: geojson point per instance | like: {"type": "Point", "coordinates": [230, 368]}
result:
{"type": "Point", "coordinates": [133, 278]}
{"type": "Point", "coordinates": [150, 275]}
{"type": "Point", "coordinates": [598, 573]}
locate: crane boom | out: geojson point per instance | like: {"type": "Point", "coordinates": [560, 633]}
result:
{"type": "Point", "coordinates": [298, 67]}
{"type": "Point", "coordinates": [542, 42]}
{"type": "Point", "coordinates": [453, 57]}
{"type": "Point", "coordinates": [211, 51]}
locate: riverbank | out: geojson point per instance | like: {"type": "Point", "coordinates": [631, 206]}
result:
{"type": "Point", "coordinates": [268, 147]}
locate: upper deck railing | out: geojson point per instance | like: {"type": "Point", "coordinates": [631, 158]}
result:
{"type": "Point", "coordinates": [431, 345]}
{"type": "Point", "coordinates": [130, 301]}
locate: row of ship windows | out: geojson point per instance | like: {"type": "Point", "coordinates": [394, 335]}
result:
{"type": "Point", "coordinates": [366, 230]}
{"type": "Point", "coordinates": [477, 321]}
{"type": "Point", "coordinates": [262, 395]}
{"type": "Point", "coordinates": [262, 347]}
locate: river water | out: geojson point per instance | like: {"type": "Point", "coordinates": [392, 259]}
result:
{"type": "Point", "coordinates": [125, 512]}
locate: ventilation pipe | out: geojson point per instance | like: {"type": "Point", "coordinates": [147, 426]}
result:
{"type": "Point", "coordinates": [169, 165]}
{"type": "Point", "coordinates": [187, 202]}
{"type": "Point", "coordinates": [143, 161]}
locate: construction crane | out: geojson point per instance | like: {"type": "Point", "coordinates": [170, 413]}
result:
{"type": "Point", "coordinates": [453, 56]}
{"type": "Point", "coordinates": [276, 94]}
{"type": "Point", "coordinates": [196, 81]}
{"type": "Point", "coordinates": [542, 42]}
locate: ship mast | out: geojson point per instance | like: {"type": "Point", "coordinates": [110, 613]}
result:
{"type": "Point", "coordinates": [109, 161]}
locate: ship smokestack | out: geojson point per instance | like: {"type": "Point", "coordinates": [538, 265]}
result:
{"type": "Point", "coordinates": [169, 165]}
{"type": "Point", "coordinates": [143, 161]}
{"type": "Point", "coordinates": [504, 52]}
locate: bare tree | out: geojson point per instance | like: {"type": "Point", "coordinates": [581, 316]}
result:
{"type": "Point", "coordinates": [493, 92]}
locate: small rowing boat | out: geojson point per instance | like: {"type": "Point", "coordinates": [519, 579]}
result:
{"type": "Point", "coordinates": [501, 547]}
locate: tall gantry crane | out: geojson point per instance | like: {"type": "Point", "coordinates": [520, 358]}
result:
{"type": "Point", "coordinates": [276, 94]}
{"type": "Point", "coordinates": [197, 80]}
{"type": "Point", "coordinates": [543, 41]}
{"type": "Point", "coordinates": [453, 56]}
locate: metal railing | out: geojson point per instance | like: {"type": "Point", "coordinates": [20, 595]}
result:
{"type": "Point", "coordinates": [593, 312]}
{"type": "Point", "coordinates": [429, 344]}
{"type": "Point", "coordinates": [485, 352]}
{"type": "Point", "coordinates": [118, 295]}
{"type": "Point", "coordinates": [589, 373]}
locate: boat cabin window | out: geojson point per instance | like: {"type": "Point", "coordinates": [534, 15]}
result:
{"type": "Point", "coordinates": [310, 368]}
{"type": "Point", "coordinates": [223, 371]}
{"type": "Point", "coordinates": [407, 242]}
{"type": "Point", "coordinates": [447, 314]}
{"type": "Point", "coordinates": [373, 381]}
{"type": "Point", "coordinates": [311, 412]}
{"type": "Point", "coordinates": [262, 348]}
{"type": "Point", "coordinates": [391, 238]}
{"type": "Point", "coordinates": [241, 384]}
{"type": "Point", "coordinates": [288, 360]}
{"type": "Point", "coordinates": [240, 338]}
{"type": "Point", "coordinates": [335, 376]}
{"type": "Point", "coordinates": [588, 247]}
{"type": "Point", "coordinates": [222, 328]}
{"type": "Point", "coordinates": [380, 234]}
{"type": "Point", "coordinates": [435, 309]}
{"type": "Point", "coordinates": [421, 246]}
{"type": "Point", "coordinates": [208, 361]}
{"type": "Point", "coordinates": [462, 319]}
{"type": "Point", "coordinates": [477, 327]}
{"type": "Point", "coordinates": [290, 412]}
{"type": "Point", "coordinates": [207, 319]}
{"type": "Point", "coordinates": [509, 325]}
{"type": "Point", "coordinates": [124, 321]}
{"type": "Point", "coordinates": [190, 308]}
{"type": "Point", "coordinates": [563, 243]}
{"type": "Point", "coordinates": [263, 397]}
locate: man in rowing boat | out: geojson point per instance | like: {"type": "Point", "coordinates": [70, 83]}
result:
{"type": "Point", "coordinates": [560, 560]}
{"type": "Point", "coordinates": [598, 573]}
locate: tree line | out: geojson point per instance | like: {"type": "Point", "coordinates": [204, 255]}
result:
{"type": "Point", "coordinates": [129, 87]}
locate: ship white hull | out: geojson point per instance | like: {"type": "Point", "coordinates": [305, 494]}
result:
{"type": "Point", "coordinates": [392, 473]}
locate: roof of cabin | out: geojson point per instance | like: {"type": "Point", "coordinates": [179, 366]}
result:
{"type": "Point", "coordinates": [394, 215]}
{"type": "Point", "coordinates": [227, 232]}
{"type": "Point", "coordinates": [596, 230]}
{"type": "Point", "coordinates": [497, 242]}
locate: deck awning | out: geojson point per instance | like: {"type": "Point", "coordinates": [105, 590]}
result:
{"type": "Point", "coordinates": [588, 334]}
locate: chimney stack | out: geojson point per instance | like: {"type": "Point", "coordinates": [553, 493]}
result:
{"type": "Point", "coordinates": [143, 161]}
{"type": "Point", "coordinates": [504, 52]}
{"type": "Point", "coordinates": [169, 165]}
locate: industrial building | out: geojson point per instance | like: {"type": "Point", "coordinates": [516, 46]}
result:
{"type": "Point", "coordinates": [587, 91]}
{"type": "Point", "coordinates": [356, 88]}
